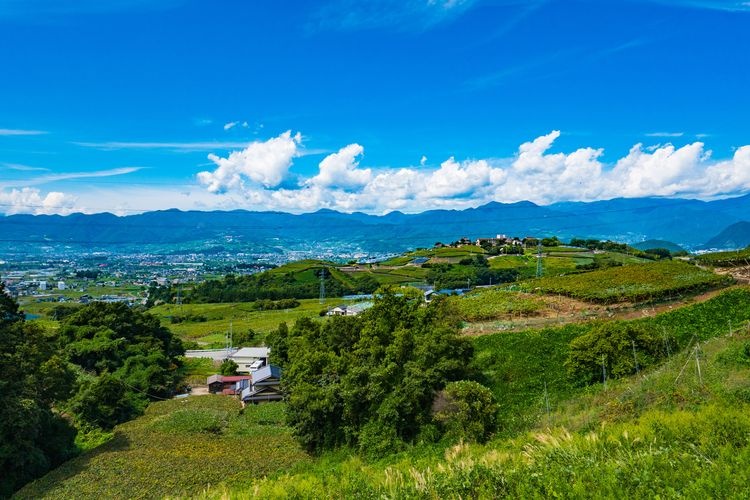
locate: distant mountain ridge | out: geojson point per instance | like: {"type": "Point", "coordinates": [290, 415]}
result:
{"type": "Point", "coordinates": [734, 236]}
{"type": "Point", "coordinates": [689, 223]}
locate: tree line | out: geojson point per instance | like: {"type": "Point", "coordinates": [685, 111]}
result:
{"type": "Point", "coordinates": [102, 367]}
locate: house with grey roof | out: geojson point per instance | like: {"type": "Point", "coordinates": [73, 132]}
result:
{"type": "Point", "coordinates": [265, 386]}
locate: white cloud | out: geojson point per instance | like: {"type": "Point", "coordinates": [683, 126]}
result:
{"type": "Point", "coordinates": [264, 163]}
{"type": "Point", "coordinates": [258, 177]}
{"type": "Point", "coordinates": [230, 125]}
{"type": "Point", "coordinates": [64, 176]}
{"type": "Point", "coordinates": [533, 174]}
{"type": "Point", "coordinates": [340, 169]}
{"type": "Point", "coordinates": [14, 131]}
{"type": "Point", "coordinates": [23, 168]}
{"type": "Point", "coordinates": [32, 201]}
{"type": "Point", "coordinates": [665, 134]}
{"type": "Point", "coordinates": [174, 146]}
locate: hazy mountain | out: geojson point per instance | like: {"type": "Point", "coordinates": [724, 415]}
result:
{"type": "Point", "coordinates": [651, 244]}
{"type": "Point", "coordinates": [688, 223]}
{"type": "Point", "coordinates": [735, 236]}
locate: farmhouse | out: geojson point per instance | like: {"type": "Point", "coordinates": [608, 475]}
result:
{"type": "Point", "coordinates": [249, 359]}
{"type": "Point", "coordinates": [264, 387]}
{"type": "Point", "coordinates": [226, 384]}
{"type": "Point", "coordinates": [349, 310]}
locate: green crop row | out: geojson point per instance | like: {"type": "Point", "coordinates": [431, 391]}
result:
{"type": "Point", "coordinates": [483, 305]}
{"type": "Point", "coordinates": [726, 259]}
{"type": "Point", "coordinates": [631, 283]}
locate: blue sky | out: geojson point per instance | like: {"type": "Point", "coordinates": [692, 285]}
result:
{"type": "Point", "coordinates": [369, 105]}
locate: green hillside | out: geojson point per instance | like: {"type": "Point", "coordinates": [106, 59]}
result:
{"type": "Point", "coordinates": [666, 431]}
{"type": "Point", "coordinates": [656, 280]}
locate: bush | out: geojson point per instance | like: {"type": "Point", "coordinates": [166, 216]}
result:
{"type": "Point", "coordinates": [228, 367]}
{"type": "Point", "coordinates": [466, 411]}
{"type": "Point", "coordinates": [620, 347]}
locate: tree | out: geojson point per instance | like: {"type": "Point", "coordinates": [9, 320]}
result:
{"type": "Point", "coordinates": [33, 377]}
{"type": "Point", "coordinates": [228, 367]}
{"type": "Point", "coordinates": [369, 381]}
{"type": "Point", "coordinates": [612, 344]}
{"type": "Point", "coordinates": [466, 411]}
{"type": "Point", "coordinates": [134, 355]}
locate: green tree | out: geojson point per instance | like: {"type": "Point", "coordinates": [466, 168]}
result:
{"type": "Point", "coordinates": [33, 378]}
{"type": "Point", "coordinates": [228, 367]}
{"type": "Point", "coordinates": [466, 411]}
{"type": "Point", "coordinates": [134, 355]}
{"type": "Point", "coordinates": [369, 381]}
{"type": "Point", "coordinates": [621, 347]}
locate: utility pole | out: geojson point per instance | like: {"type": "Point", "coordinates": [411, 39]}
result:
{"type": "Point", "coordinates": [539, 259]}
{"type": "Point", "coordinates": [229, 336]}
{"type": "Point", "coordinates": [635, 358]}
{"type": "Point", "coordinates": [604, 373]}
{"type": "Point", "coordinates": [323, 286]}
{"type": "Point", "coordinates": [666, 342]}
{"type": "Point", "coordinates": [698, 363]}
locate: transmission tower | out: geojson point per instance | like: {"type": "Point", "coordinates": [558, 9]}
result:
{"type": "Point", "coordinates": [323, 286]}
{"type": "Point", "coordinates": [539, 259]}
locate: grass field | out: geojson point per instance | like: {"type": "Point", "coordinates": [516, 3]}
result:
{"type": "Point", "coordinates": [179, 447]}
{"type": "Point", "coordinates": [240, 316]}
{"type": "Point", "coordinates": [631, 283]}
{"type": "Point", "coordinates": [448, 253]}
{"type": "Point", "coordinates": [487, 304]}
{"type": "Point", "coordinates": [665, 432]}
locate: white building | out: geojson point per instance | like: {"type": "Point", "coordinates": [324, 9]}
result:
{"type": "Point", "coordinates": [42, 285]}
{"type": "Point", "coordinates": [61, 285]}
{"type": "Point", "coordinates": [250, 359]}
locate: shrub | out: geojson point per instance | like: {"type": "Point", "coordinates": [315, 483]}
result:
{"type": "Point", "coordinates": [621, 347]}
{"type": "Point", "coordinates": [466, 410]}
{"type": "Point", "coordinates": [228, 367]}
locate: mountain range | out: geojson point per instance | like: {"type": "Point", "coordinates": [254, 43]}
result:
{"type": "Point", "coordinates": [693, 224]}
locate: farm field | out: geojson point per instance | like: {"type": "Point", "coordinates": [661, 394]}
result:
{"type": "Point", "coordinates": [240, 316]}
{"type": "Point", "coordinates": [442, 254]}
{"type": "Point", "coordinates": [726, 259]}
{"type": "Point", "coordinates": [489, 303]}
{"type": "Point", "coordinates": [179, 447]}
{"type": "Point", "coordinates": [631, 283]}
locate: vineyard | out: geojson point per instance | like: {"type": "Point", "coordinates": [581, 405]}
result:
{"type": "Point", "coordinates": [631, 283]}
{"type": "Point", "coordinates": [726, 259]}
{"type": "Point", "coordinates": [488, 304]}
{"type": "Point", "coordinates": [178, 448]}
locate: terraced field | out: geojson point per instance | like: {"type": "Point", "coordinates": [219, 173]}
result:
{"type": "Point", "coordinates": [631, 283]}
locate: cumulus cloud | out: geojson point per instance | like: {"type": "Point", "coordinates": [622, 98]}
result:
{"type": "Point", "coordinates": [534, 173]}
{"type": "Point", "coordinates": [32, 201]}
{"type": "Point", "coordinates": [340, 170]}
{"type": "Point", "coordinates": [262, 163]}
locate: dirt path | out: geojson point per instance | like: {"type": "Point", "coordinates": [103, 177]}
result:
{"type": "Point", "coordinates": [563, 310]}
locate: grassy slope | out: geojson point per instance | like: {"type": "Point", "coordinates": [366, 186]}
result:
{"type": "Point", "coordinates": [643, 437]}
{"type": "Point", "coordinates": [178, 447]}
{"type": "Point", "coordinates": [663, 432]}
{"type": "Point", "coordinates": [638, 437]}
{"type": "Point", "coordinates": [655, 280]}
